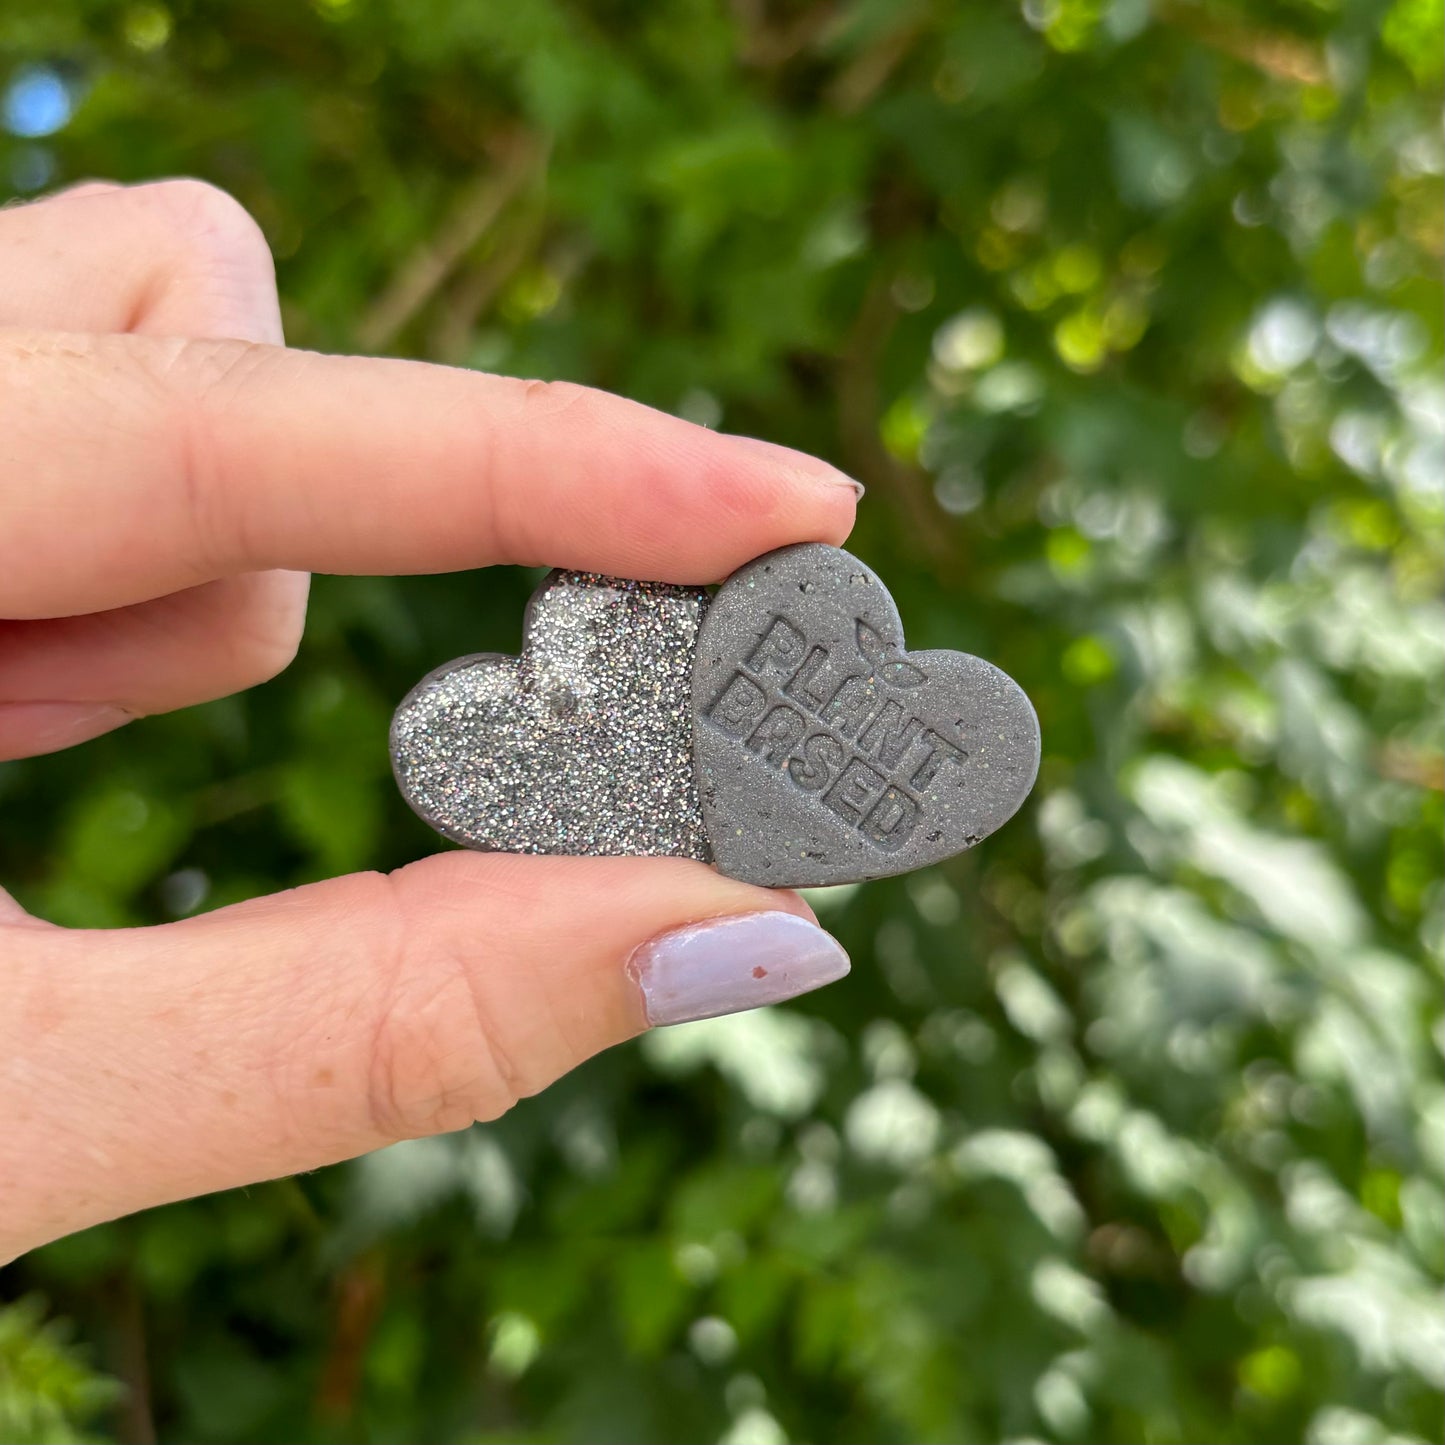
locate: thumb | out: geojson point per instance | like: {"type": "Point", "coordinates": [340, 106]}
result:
{"type": "Point", "coordinates": [147, 1065]}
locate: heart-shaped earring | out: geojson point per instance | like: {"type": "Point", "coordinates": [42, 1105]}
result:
{"type": "Point", "coordinates": [583, 744]}
{"type": "Point", "coordinates": [782, 729]}
{"type": "Point", "coordinates": [828, 754]}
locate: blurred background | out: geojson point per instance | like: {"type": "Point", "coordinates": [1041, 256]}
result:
{"type": "Point", "coordinates": [1129, 1124]}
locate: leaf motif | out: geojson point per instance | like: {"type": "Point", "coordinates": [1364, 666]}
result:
{"type": "Point", "coordinates": [901, 674]}
{"type": "Point", "coordinates": [873, 647]}
{"type": "Point", "coordinates": [881, 657]}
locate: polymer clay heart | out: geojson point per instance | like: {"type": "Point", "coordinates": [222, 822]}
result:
{"type": "Point", "coordinates": [825, 752]}
{"type": "Point", "coordinates": [582, 744]}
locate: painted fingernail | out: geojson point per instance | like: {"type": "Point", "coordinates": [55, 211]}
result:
{"type": "Point", "coordinates": [795, 461]}
{"type": "Point", "coordinates": [725, 965]}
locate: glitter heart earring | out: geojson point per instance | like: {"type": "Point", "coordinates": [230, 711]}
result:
{"type": "Point", "coordinates": [582, 744]}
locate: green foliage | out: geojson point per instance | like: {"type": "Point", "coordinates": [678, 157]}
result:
{"type": "Point", "coordinates": [47, 1387]}
{"type": "Point", "coordinates": [1127, 1125]}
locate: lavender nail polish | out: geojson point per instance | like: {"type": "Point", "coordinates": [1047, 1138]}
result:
{"type": "Point", "coordinates": [725, 965]}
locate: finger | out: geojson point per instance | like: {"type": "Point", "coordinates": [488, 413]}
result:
{"type": "Point", "coordinates": [132, 466]}
{"type": "Point", "coordinates": [175, 257]}
{"type": "Point", "coordinates": [68, 679]}
{"type": "Point", "coordinates": [92, 186]}
{"type": "Point", "coordinates": [172, 258]}
{"type": "Point", "coordinates": [12, 913]}
{"type": "Point", "coordinates": [293, 1031]}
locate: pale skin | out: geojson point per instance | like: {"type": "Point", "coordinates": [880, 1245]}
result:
{"type": "Point", "coordinates": [170, 473]}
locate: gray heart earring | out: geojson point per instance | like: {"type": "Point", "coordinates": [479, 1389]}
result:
{"type": "Point", "coordinates": [825, 752]}
{"type": "Point", "coordinates": [780, 728]}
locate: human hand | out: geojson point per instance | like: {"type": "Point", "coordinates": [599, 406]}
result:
{"type": "Point", "coordinates": [169, 474]}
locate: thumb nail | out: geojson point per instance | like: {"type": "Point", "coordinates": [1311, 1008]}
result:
{"type": "Point", "coordinates": [725, 965]}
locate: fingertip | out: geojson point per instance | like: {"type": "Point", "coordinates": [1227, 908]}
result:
{"type": "Point", "coordinates": [563, 954]}
{"type": "Point", "coordinates": [780, 488]}
{"type": "Point", "coordinates": [789, 902]}
{"type": "Point", "coordinates": [76, 190]}
{"type": "Point", "coordinates": [697, 504]}
{"type": "Point", "coordinates": [733, 963]}
{"type": "Point", "coordinates": [720, 500]}
{"type": "Point", "coordinates": [809, 467]}
{"type": "Point", "coordinates": [665, 940]}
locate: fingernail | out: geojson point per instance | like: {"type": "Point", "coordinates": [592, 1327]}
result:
{"type": "Point", "coordinates": [813, 467]}
{"type": "Point", "coordinates": [28, 729]}
{"type": "Point", "coordinates": [729, 964]}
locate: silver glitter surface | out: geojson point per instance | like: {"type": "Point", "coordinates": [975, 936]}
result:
{"type": "Point", "coordinates": [582, 745]}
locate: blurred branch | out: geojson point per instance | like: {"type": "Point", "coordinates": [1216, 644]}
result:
{"type": "Point", "coordinates": [768, 44]}
{"type": "Point", "coordinates": [864, 453]}
{"type": "Point", "coordinates": [136, 1425]}
{"type": "Point", "coordinates": [359, 1294]}
{"type": "Point", "coordinates": [221, 801]}
{"type": "Point", "coordinates": [478, 288]}
{"type": "Point", "coordinates": [427, 268]}
{"type": "Point", "coordinates": [1421, 767]}
{"type": "Point", "coordinates": [1277, 53]}
{"type": "Point", "coordinates": [854, 86]}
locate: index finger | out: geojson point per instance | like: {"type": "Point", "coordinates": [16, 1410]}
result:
{"type": "Point", "coordinates": [133, 466]}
